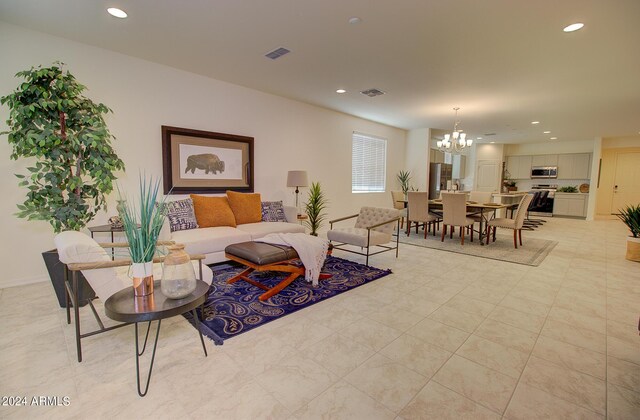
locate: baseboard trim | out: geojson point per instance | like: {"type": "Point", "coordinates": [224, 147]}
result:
{"type": "Point", "coordinates": [5, 283]}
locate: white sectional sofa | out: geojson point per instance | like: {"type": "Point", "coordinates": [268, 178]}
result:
{"type": "Point", "coordinates": [211, 241]}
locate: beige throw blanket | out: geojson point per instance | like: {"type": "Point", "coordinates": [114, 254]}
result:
{"type": "Point", "coordinates": [311, 250]}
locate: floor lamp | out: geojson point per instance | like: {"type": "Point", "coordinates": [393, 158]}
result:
{"type": "Point", "coordinates": [297, 179]}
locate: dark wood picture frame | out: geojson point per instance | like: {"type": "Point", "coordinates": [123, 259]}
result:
{"type": "Point", "coordinates": [196, 161]}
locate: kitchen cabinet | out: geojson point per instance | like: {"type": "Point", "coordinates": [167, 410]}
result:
{"type": "Point", "coordinates": [436, 156]}
{"type": "Point", "coordinates": [574, 166]}
{"type": "Point", "coordinates": [544, 160]}
{"type": "Point", "coordinates": [570, 204]}
{"type": "Point", "coordinates": [519, 167]}
{"type": "Point", "coordinates": [459, 166]}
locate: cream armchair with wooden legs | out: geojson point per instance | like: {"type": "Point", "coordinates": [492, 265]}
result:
{"type": "Point", "coordinates": [516, 223]}
{"type": "Point", "coordinates": [105, 275]}
{"type": "Point", "coordinates": [374, 228]}
{"type": "Point", "coordinates": [454, 213]}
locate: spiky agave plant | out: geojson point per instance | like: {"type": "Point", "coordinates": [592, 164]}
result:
{"type": "Point", "coordinates": [143, 221]}
{"type": "Point", "coordinates": [403, 178]}
{"type": "Point", "coordinates": [315, 207]}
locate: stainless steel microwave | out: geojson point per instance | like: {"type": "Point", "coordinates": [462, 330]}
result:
{"type": "Point", "coordinates": [544, 172]}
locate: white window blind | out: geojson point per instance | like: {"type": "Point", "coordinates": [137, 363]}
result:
{"type": "Point", "coordinates": [368, 163]}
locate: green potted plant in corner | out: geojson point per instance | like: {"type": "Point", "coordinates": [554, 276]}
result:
{"type": "Point", "coordinates": [630, 215]}
{"type": "Point", "coordinates": [142, 223]}
{"type": "Point", "coordinates": [315, 207]}
{"type": "Point", "coordinates": [403, 178]}
{"type": "Point", "coordinates": [72, 163]}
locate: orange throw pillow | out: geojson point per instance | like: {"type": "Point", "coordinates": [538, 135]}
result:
{"type": "Point", "coordinates": [246, 207]}
{"type": "Point", "coordinates": [212, 211]}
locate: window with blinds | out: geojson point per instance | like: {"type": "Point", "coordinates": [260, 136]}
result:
{"type": "Point", "coordinates": [368, 163]}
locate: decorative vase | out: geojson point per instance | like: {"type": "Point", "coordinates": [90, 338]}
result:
{"type": "Point", "coordinates": [178, 276]}
{"type": "Point", "coordinates": [142, 278]}
{"type": "Point", "coordinates": [633, 249]}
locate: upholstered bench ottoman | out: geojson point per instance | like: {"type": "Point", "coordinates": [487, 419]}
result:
{"type": "Point", "coordinates": [261, 256]}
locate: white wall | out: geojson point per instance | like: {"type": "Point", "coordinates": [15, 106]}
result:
{"type": "Point", "coordinates": [417, 157]}
{"type": "Point", "coordinates": [549, 148]}
{"type": "Point", "coordinates": [144, 96]}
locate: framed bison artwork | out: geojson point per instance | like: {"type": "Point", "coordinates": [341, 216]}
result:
{"type": "Point", "coordinates": [197, 161]}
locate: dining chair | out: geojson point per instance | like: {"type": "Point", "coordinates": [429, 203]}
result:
{"type": "Point", "coordinates": [480, 197]}
{"type": "Point", "coordinates": [454, 213]}
{"type": "Point", "coordinates": [516, 223]}
{"type": "Point", "coordinates": [418, 212]}
{"type": "Point", "coordinates": [399, 204]}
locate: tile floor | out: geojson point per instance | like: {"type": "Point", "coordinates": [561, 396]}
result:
{"type": "Point", "coordinates": [445, 336]}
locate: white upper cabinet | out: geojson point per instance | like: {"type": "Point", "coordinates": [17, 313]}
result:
{"type": "Point", "coordinates": [574, 166]}
{"type": "Point", "coordinates": [544, 160]}
{"type": "Point", "coordinates": [459, 166]}
{"type": "Point", "coordinates": [519, 167]}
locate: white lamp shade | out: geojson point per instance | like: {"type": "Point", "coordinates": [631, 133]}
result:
{"type": "Point", "coordinates": [297, 179]}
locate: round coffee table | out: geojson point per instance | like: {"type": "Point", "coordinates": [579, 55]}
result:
{"type": "Point", "coordinates": [123, 306]}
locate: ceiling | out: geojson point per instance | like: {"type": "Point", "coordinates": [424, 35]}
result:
{"type": "Point", "coordinates": [505, 63]}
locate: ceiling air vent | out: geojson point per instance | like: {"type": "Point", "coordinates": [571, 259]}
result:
{"type": "Point", "coordinates": [277, 53]}
{"type": "Point", "coordinates": [372, 93]}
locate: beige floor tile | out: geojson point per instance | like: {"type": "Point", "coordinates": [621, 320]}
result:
{"type": "Point", "coordinates": [339, 354]}
{"type": "Point", "coordinates": [301, 334]}
{"type": "Point", "coordinates": [387, 381]}
{"type": "Point", "coordinates": [624, 332]}
{"type": "Point", "coordinates": [371, 333]}
{"type": "Point", "coordinates": [525, 305]}
{"type": "Point", "coordinates": [437, 333]}
{"type": "Point", "coordinates": [623, 373]}
{"type": "Point", "coordinates": [587, 322]}
{"type": "Point", "coordinates": [335, 317]}
{"type": "Point", "coordinates": [416, 355]}
{"type": "Point", "coordinates": [495, 356]}
{"type": "Point", "coordinates": [482, 385]}
{"type": "Point", "coordinates": [623, 349]}
{"type": "Point", "coordinates": [507, 335]}
{"type": "Point", "coordinates": [470, 305]}
{"type": "Point", "coordinates": [545, 297]}
{"type": "Point", "coordinates": [477, 292]}
{"type": "Point", "coordinates": [571, 357]}
{"type": "Point", "coordinates": [416, 304]}
{"type": "Point", "coordinates": [573, 335]}
{"type": "Point", "coordinates": [343, 401]}
{"type": "Point", "coordinates": [437, 402]}
{"type": "Point", "coordinates": [394, 317]}
{"type": "Point", "coordinates": [622, 403]}
{"type": "Point", "coordinates": [257, 355]}
{"type": "Point", "coordinates": [572, 303]}
{"type": "Point", "coordinates": [622, 315]}
{"type": "Point", "coordinates": [525, 321]}
{"type": "Point", "coordinates": [570, 385]}
{"type": "Point", "coordinates": [529, 403]}
{"type": "Point", "coordinates": [456, 318]}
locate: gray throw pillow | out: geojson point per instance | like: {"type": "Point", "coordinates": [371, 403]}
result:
{"type": "Point", "coordinates": [181, 215]}
{"type": "Point", "coordinates": [272, 211]}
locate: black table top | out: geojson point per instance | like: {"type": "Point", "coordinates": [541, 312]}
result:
{"type": "Point", "coordinates": [123, 306]}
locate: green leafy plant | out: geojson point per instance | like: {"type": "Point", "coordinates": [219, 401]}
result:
{"type": "Point", "coordinates": [568, 189]}
{"type": "Point", "coordinates": [315, 207]}
{"type": "Point", "coordinates": [403, 178]}
{"type": "Point", "coordinates": [142, 221]}
{"type": "Point", "coordinates": [65, 136]}
{"type": "Point", "coordinates": [630, 215]}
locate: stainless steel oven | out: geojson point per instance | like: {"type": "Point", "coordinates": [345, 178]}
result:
{"type": "Point", "coordinates": [547, 172]}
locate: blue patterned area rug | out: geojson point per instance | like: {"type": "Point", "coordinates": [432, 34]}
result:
{"type": "Point", "coordinates": [232, 309]}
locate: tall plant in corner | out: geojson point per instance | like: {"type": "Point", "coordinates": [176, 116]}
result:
{"type": "Point", "coordinates": [630, 215]}
{"type": "Point", "coordinates": [403, 178]}
{"type": "Point", "coordinates": [315, 207]}
{"type": "Point", "coordinates": [64, 136]}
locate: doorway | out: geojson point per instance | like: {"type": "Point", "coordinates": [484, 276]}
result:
{"type": "Point", "coordinates": [626, 182]}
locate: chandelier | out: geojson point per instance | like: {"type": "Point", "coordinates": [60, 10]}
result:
{"type": "Point", "coordinates": [456, 141]}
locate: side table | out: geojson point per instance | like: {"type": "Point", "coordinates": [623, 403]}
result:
{"type": "Point", "coordinates": [302, 218]}
{"type": "Point", "coordinates": [123, 306]}
{"type": "Point", "coordinates": [105, 229]}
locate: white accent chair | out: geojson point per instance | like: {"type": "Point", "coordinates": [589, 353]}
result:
{"type": "Point", "coordinates": [418, 212]}
{"type": "Point", "coordinates": [374, 227]}
{"type": "Point", "coordinates": [516, 223]}
{"type": "Point", "coordinates": [105, 275]}
{"type": "Point", "coordinates": [454, 213]}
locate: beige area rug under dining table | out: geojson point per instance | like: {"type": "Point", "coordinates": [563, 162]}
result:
{"type": "Point", "coordinates": [532, 252]}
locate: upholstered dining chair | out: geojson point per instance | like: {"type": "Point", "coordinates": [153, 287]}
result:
{"type": "Point", "coordinates": [418, 212]}
{"type": "Point", "coordinates": [454, 213]}
{"type": "Point", "coordinates": [398, 204]}
{"type": "Point", "coordinates": [374, 228]}
{"type": "Point", "coordinates": [516, 223]}
{"type": "Point", "coordinates": [106, 275]}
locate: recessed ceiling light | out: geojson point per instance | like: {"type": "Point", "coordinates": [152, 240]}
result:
{"type": "Point", "coordinates": [478, 138]}
{"type": "Point", "coordinates": [354, 20]}
{"type": "Point", "coordinates": [535, 122]}
{"type": "Point", "coordinates": [119, 13]}
{"type": "Point", "coordinates": [573, 27]}
{"type": "Point", "coordinates": [341, 91]}
{"type": "Point", "coordinates": [492, 142]}
{"type": "Point", "coordinates": [546, 132]}
{"type": "Point", "coordinates": [553, 138]}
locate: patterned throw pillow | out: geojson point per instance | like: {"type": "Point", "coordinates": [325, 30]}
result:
{"type": "Point", "coordinates": [181, 215]}
{"type": "Point", "coordinates": [272, 211]}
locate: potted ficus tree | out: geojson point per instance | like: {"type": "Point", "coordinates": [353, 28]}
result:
{"type": "Point", "coordinates": [630, 215]}
{"type": "Point", "coordinates": [315, 207]}
{"type": "Point", "coordinates": [71, 162]}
